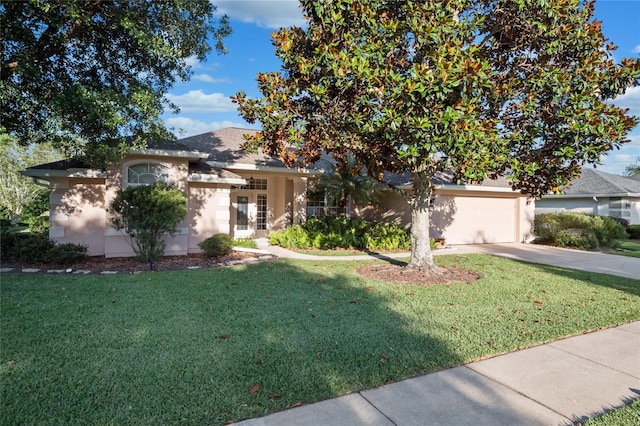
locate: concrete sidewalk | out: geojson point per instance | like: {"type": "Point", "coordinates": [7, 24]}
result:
{"type": "Point", "coordinates": [558, 383]}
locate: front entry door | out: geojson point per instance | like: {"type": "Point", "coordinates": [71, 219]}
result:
{"type": "Point", "coordinates": [249, 214]}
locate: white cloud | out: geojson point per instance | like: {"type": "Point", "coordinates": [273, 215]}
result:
{"type": "Point", "coordinates": [631, 100]}
{"type": "Point", "coordinates": [185, 126]}
{"type": "Point", "coordinates": [616, 161]}
{"type": "Point", "coordinates": [636, 49]}
{"type": "Point", "coordinates": [264, 13]}
{"type": "Point", "coordinates": [198, 101]}
{"type": "Point", "coordinates": [193, 62]}
{"type": "Point", "coordinates": [206, 78]}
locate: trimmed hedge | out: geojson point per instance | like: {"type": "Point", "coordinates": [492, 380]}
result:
{"type": "Point", "coordinates": [634, 232]}
{"type": "Point", "coordinates": [578, 230]}
{"type": "Point", "coordinates": [38, 248]}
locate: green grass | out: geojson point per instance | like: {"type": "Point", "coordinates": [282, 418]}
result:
{"type": "Point", "coordinates": [629, 248]}
{"type": "Point", "coordinates": [626, 416]}
{"type": "Point", "coordinates": [245, 242]}
{"type": "Point", "coordinates": [185, 347]}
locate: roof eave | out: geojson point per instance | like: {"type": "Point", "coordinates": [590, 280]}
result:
{"type": "Point", "coordinates": [74, 173]}
{"type": "Point", "coordinates": [472, 188]}
{"type": "Point", "coordinates": [259, 168]}
{"type": "Point", "coordinates": [208, 178]}
{"type": "Point", "coordinates": [603, 195]}
{"type": "Point", "coordinates": [190, 155]}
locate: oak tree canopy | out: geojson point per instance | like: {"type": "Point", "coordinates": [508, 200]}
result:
{"type": "Point", "coordinates": [86, 74]}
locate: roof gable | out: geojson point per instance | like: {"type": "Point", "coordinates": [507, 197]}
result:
{"type": "Point", "coordinates": [595, 182]}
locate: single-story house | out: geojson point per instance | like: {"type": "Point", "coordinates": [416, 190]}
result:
{"type": "Point", "coordinates": [599, 193]}
{"type": "Point", "coordinates": [249, 195]}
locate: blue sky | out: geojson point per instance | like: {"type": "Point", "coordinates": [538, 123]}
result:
{"type": "Point", "coordinates": [205, 104]}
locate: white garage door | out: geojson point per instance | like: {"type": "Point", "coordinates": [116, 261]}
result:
{"type": "Point", "coordinates": [474, 220]}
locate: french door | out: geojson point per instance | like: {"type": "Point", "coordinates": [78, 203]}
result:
{"type": "Point", "coordinates": [249, 214]}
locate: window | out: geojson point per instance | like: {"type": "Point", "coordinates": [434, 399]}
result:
{"type": "Point", "coordinates": [619, 207]}
{"type": "Point", "coordinates": [261, 214]}
{"type": "Point", "coordinates": [147, 173]}
{"type": "Point", "coordinates": [257, 184]}
{"type": "Point", "coordinates": [242, 213]}
{"type": "Point", "coordinates": [319, 204]}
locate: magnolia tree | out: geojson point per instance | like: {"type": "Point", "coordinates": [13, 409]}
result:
{"type": "Point", "coordinates": [84, 74]}
{"type": "Point", "coordinates": [481, 87]}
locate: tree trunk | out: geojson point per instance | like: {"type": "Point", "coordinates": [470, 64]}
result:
{"type": "Point", "coordinates": [421, 256]}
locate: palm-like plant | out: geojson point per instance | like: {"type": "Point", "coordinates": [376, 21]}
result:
{"type": "Point", "coordinates": [348, 184]}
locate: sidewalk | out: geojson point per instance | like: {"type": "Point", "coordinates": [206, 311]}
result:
{"type": "Point", "coordinates": [558, 383]}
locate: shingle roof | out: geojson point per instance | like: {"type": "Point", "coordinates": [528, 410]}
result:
{"type": "Point", "coordinates": [595, 182]}
{"type": "Point", "coordinates": [445, 177]}
{"type": "Point", "coordinates": [70, 163]}
{"type": "Point", "coordinates": [224, 146]}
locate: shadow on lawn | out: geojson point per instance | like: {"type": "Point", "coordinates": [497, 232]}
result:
{"type": "Point", "coordinates": [203, 347]}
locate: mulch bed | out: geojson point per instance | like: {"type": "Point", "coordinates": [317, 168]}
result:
{"type": "Point", "coordinates": [399, 274]}
{"type": "Point", "coordinates": [131, 265]}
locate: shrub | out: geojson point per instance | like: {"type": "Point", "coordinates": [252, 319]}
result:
{"type": "Point", "coordinates": [634, 232]}
{"type": "Point", "coordinates": [39, 225]}
{"type": "Point", "coordinates": [583, 239]}
{"type": "Point", "coordinates": [328, 233]}
{"type": "Point", "coordinates": [579, 230]}
{"type": "Point", "coordinates": [387, 236]}
{"type": "Point", "coordinates": [146, 214]}
{"type": "Point", "coordinates": [7, 241]}
{"type": "Point", "coordinates": [66, 254]}
{"type": "Point", "coordinates": [217, 245]}
{"type": "Point", "coordinates": [292, 237]}
{"type": "Point", "coordinates": [31, 247]}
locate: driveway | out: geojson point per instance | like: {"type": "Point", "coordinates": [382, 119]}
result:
{"type": "Point", "coordinates": [622, 266]}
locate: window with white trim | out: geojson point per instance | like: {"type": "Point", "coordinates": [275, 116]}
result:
{"type": "Point", "coordinates": [146, 174]}
{"type": "Point", "coordinates": [619, 207]}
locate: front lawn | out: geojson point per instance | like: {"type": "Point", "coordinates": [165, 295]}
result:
{"type": "Point", "coordinates": [629, 248]}
{"type": "Point", "coordinates": [209, 346]}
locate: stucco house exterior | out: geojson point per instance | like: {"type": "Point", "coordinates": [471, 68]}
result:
{"type": "Point", "coordinates": [250, 195]}
{"type": "Point", "coordinates": [599, 193]}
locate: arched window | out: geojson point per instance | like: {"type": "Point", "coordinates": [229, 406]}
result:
{"type": "Point", "coordinates": [147, 173]}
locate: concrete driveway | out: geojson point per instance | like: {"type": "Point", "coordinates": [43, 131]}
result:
{"type": "Point", "coordinates": [622, 266]}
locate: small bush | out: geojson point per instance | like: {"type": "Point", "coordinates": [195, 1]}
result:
{"type": "Point", "coordinates": [217, 245]}
{"type": "Point", "coordinates": [293, 237]}
{"type": "Point", "coordinates": [39, 225]}
{"type": "Point", "coordinates": [583, 239]}
{"type": "Point", "coordinates": [387, 236]}
{"type": "Point", "coordinates": [7, 241]}
{"type": "Point", "coordinates": [67, 254]}
{"type": "Point", "coordinates": [31, 248]}
{"type": "Point", "coordinates": [578, 230]}
{"type": "Point", "coordinates": [634, 232]}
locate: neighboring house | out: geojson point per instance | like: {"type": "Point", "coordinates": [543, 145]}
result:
{"type": "Point", "coordinates": [249, 195]}
{"type": "Point", "coordinates": [599, 193]}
